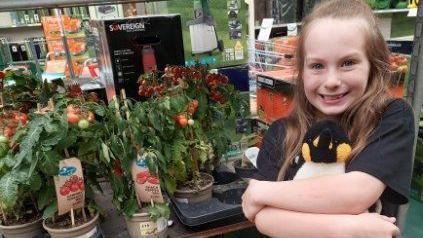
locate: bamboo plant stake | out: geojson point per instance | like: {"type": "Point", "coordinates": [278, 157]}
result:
{"type": "Point", "coordinates": [72, 217]}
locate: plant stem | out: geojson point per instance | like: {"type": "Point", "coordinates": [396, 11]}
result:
{"type": "Point", "coordinates": [50, 104]}
{"type": "Point", "coordinates": [84, 215]}
{"type": "Point", "coordinates": [35, 202]}
{"type": "Point", "coordinates": [66, 153]}
{"type": "Point", "coordinates": [123, 95]}
{"type": "Point", "coordinates": [117, 107]}
{"type": "Point", "coordinates": [138, 200]}
{"type": "Point", "coordinates": [131, 135]}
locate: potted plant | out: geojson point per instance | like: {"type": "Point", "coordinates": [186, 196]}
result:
{"type": "Point", "coordinates": [56, 134]}
{"type": "Point", "coordinates": [19, 186]}
{"type": "Point", "coordinates": [20, 180]}
{"type": "Point", "coordinates": [129, 158]}
{"type": "Point", "coordinates": [191, 111]}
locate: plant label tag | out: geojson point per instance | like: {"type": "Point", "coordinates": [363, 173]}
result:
{"type": "Point", "coordinates": [147, 185]}
{"type": "Point", "coordinates": [70, 187]}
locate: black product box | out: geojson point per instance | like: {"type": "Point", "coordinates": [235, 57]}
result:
{"type": "Point", "coordinates": [130, 47]}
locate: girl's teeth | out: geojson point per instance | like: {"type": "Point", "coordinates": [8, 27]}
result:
{"type": "Point", "coordinates": [333, 97]}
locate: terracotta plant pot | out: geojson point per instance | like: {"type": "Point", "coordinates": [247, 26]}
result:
{"type": "Point", "coordinates": [188, 195]}
{"type": "Point", "coordinates": [141, 226]}
{"type": "Point", "coordinates": [28, 230]}
{"type": "Point", "coordinates": [88, 229]}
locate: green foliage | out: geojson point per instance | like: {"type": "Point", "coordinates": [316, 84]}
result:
{"type": "Point", "coordinates": [159, 210]}
{"type": "Point", "coordinates": [42, 143]}
{"type": "Point", "coordinates": [19, 90]}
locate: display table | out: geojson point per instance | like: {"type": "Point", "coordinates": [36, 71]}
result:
{"type": "Point", "coordinates": [114, 224]}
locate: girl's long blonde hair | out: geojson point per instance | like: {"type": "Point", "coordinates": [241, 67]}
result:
{"type": "Point", "coordinates": [362, 117]}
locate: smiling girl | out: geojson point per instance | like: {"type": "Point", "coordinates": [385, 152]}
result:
{"type": "Point", "coordinates": [343, 70]}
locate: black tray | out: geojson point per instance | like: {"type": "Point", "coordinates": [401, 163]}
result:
{"type": "Point", "coordinates": [225, 203]}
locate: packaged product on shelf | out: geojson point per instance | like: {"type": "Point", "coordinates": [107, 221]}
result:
{"type": "Point", "coordinates": [130, 47]}
{"type": "Point", "coordinates": [76, 41]}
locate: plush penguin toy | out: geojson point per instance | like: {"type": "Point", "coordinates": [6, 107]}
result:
{"type": "Point", "coordinates": [325, 149]}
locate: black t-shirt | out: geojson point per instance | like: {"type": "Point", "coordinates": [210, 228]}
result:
{"type": "Point", "coordinates": [388, 155]}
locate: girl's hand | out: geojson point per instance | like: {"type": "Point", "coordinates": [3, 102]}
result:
{"type": "Point", "coordinates": [373, 225]}
{"type": "Point", "coordinates": [250, 201]}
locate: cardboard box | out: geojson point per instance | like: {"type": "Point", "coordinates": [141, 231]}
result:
{"type": "Point", "coordinates": [128, 47]}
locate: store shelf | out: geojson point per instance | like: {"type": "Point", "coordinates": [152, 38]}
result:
{"type": "Point", "coordinates": [41, 61]}
{"type": "Point", "coordinates": [403, 38]}
{"type": "Point", "coordinates": [268, 77]}
{"type": "Point", "coordinates": [14, 5]}
{"type": "Point", "coordinates": [21, 26]}
{"type": "Point", "coordinates": [387, 11]}
{"type": "Point", "coordinates": [280, 25]}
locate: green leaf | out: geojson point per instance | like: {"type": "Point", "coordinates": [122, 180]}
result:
{"type": "Point", "coordinates": [35, 182]}
{"type": "Point", "coordinates": [9, 160]}
{"type": "Point", "coordinates": [152, 117]}
{"type": "Point", "coordinates": [67, 142]}
{"type": "Point", "coordinates": [45, 196]}
{"type": "Point", "coordinates": [51, 127]}
{"type": "Point", "coordinates": [28, 143]}
{"type": "Point", "coordinates": [170, 184]}
{"type": "Point", "coordinates": [50, 210]}
{"type": "Point", "coordinates": [50, 163]}
{"type": "Point", "coordinates": [87, 147]}
{"type": "Point", "coordinates": [8, 190]}
{"type": "Point", "coordinates": [130, 207]}
{"type": "Point", "coordinates": [105, 152]}
{"type": "Point", "coordinates": [34, 162]}
{"type": "Point", "coordinates": [99, 110]}
{"type": "Point", "coordinates": [54, 138]}
{"type": "Point", "coordinates": [159, 210]}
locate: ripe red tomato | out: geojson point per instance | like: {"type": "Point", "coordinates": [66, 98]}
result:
{"type": "Point", "coordinates": [22, 117]}
{"type": "Point", "coordinates": [182, 121]}
{"type": "Point", "coordinates": [64, 191]}
{"type": "Point", "coordinates": [72, 118]}
{"type": "Point", "coordinates": [73, 109]}
{"type": "Point", "coordinates": [91, 117]}
{"type": "Point", "coordinates": [8, 132]}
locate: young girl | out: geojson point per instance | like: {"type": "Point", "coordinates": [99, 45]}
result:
{"type": "Point", "coordinates": [343, 64]}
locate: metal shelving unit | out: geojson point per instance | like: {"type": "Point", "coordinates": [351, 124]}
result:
{"type": "Point", "coordinates": [21, 26]}
{"type": "Point", "coordinates": [387, 11]}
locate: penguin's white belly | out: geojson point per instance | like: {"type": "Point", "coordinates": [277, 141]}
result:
{"type": "Point", "coordinates": [312, 169]}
